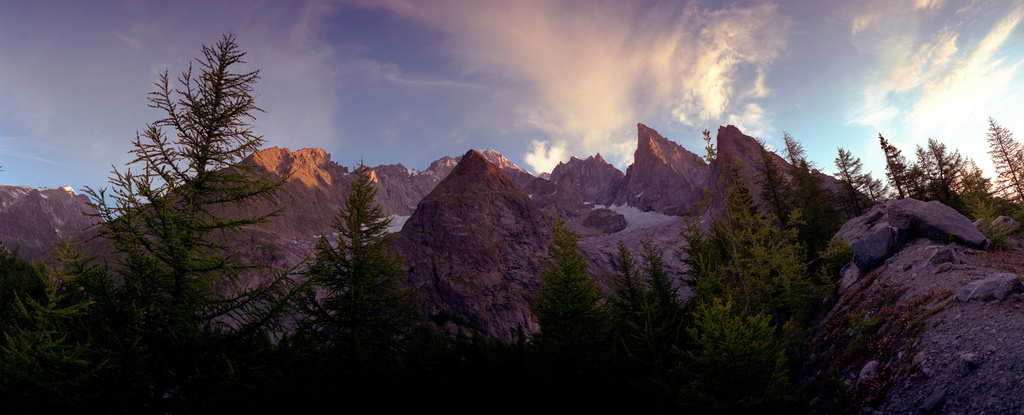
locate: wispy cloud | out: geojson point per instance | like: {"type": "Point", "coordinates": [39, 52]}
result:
{"type": "Point", "coordinates": [941, 84]}
{"type": "Point", "coordinates": [585, 73]}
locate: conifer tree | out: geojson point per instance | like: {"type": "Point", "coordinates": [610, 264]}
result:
{"type": "Point", "coordinates": [896, 169]}
{"type": "Point", "coordinates": [573, 336]}
{"type": "Point", "coordinates": [44, 358]}
{"type": "Point", "coordinates": [1008, 158]}
{"type": "Point", "coordinates": [775, 192]}
{"type": "Point", "coordinates": [177, 290]}
{"type": "Point", "coordinates": [940, 171]}
{"type": "Point", "coordinates": [735, 364]}
{"type": "Point", "coordinates": [746, 257]}
{"type": "Point", "coordinates": [854, 181]}
{"type": "Point", "coordinates": [364, 313]}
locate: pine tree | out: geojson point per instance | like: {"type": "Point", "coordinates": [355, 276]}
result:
{"type": "Point", "coordinates": [940, 171]}
{"type": "Point", "coordinates": [735, 364]}
{"type": "Point", "coordinates": [44, 357]}
{"type": "Point", "coordinates": [819, 220]}
{"type": "Point", "coordinates": [364, 313]}
{"type": "Point", "coordinates": [775, 192]}
{"type": "Point", "coordinates": [1008, 158]}
{"type": "Point", "coordinates": [747, 257]}
{"type": "Point", "coordinates": [896, 169]}
{"type": "Point", "coordinates": [573, 337]}
{"type": "Point", "coordinates": [178, 290]}
{"type": "Point", "coordinates": [854, 182]}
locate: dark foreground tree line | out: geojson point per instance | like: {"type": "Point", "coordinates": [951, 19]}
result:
{"type": "Point", "coordinates": [168, 320]}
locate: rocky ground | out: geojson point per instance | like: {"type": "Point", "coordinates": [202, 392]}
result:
{"type": "Point", "coordinates": [936, 328]}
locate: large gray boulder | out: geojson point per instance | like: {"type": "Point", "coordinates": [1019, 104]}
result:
{"type": "Point", "coordinates": [878, 234]}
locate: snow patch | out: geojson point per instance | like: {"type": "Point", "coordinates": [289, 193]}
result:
{"type": "Point", "coordinates": [637, 219]}
{"type": "Point", "coordinates": [397, 222]}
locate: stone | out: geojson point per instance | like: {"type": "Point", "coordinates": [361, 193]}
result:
{"type": "Point", "coordinates": [1005, 224]}
{"type": "Point", "coordinates": [868, 371]}
{"type": "Point", "coordinates": [848, 276]}
{"type": "Point", "coordinates": [970, 360]}
{"type": "Point", "coordinates": [606, 220]}
{"type": "Point", "coordinates": [934, 401]}
{"type": "Point", "coordinates": [997, 287]}
{"type": "Point", "coordinates": [943, 255]}
{"type": "Point", "coordinates": [878, 234]}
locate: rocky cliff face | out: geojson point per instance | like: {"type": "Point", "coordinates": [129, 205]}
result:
{"type": "Point", "coordinates": [474, 249]}
{"type": "Point", "coordinates": [664, 176]}
{"type": "Point", "coordinates": [33, 219]}
{"type": "Point", "coordinates": [597, 179]}
{"type": "Point", "coordinates": [561, 198]}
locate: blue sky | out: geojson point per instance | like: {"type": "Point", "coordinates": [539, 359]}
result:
{"type": "Point", "coordinates": [403, 81]}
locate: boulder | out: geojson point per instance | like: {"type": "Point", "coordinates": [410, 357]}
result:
{"type": "Point", "coordinates": [995, 288]}
{"type": "Point", "coordinates": [877, 234]}
{"type": "Point", "coordinates": [1005, 224]}
{"type": "Point", "coordinates": [607, 220]}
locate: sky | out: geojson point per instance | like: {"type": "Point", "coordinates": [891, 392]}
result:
{"type": "Point", "coordinates": [407, 81]}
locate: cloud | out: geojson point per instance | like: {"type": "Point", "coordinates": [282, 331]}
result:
{"type": "Point", "coordinates": [543, 156]}
{"type": "Point", "coordinates": [944, 84]}
{"type": "Point", "coordinates": [585, 73]}
{"type": "Point", "coordinates": [751, 121]}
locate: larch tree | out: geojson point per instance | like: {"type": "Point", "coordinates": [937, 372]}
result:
{"type": "Point", "coordinates": [940, 169]}
{"type": "Point", "coordinates": [178, 290]}
{"type": "Point", "coordinates": [1008, 158]}
{"type": "Point", "coordinates": [850, 170]}
{"type": "Point", "coordinates": [896, 169]}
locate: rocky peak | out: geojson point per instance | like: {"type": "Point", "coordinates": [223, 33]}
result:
{"type": "Point", "coordinates": [474, 248]}
{"type": "Point", "coordinates": [664, 176]}
{"type": "Point", "coordinates": [596, 179]}
{"type": "Point", "coordinates": [33, 219]}
{"type": "Point", "coordinates": [310, 166]}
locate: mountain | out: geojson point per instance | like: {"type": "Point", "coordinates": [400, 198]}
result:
{"type": "Point", "coordinates": [33, 219]}
{"type": "Point", "coordinates": [474, 248]}
{"type": "Point", "coordinates": [598, 180]}
{"type": "Point", "coordinates": [664, 176]}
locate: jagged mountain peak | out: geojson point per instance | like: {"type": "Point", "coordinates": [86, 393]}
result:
{"type": "Point", "coordinates": [310, 166]}
{"type": "Point", "coordinates": [474, 246]}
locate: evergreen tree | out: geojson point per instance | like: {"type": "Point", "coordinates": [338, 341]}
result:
{"type": "Point", "coordinates": [819, 220]}
{"type": "Point", "coordinates": [573, 337]}
{"type": "Point", "coordinates": [775, 192]}
{"type": "Point", "coordinates": [854, 182]}
{"type": "Point", "coordinates": [941, 173]}
{"type": "Point", "coordinates": [736, 364]}
{"type": "Point", "coordinates": [747, 257]}
{"type": "Point", "coordinates": [44, 358]}
{"type": "Point", "coordinates": [630, 292]}
{"type": "Point", "coordinates": [178, 295]}
{"type": "Point", "coordinates": [1008, 158]}
{"type": "Point", "coordinates": [363, 311]}
{"type": "Point", "coordinates": [896, 169]}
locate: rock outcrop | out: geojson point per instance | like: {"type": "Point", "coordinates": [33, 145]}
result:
{"type": "Point", "coordinates": [605, 220]}
{"type": "Point", "coordinates": [561, 198]}
{"type": "Point", "coordinates": [33, 219]}
{"type": "Point", "coordinates": [597, 179]}
{"type": "Point", "coordinates": [940, 321]}
{"type": "Point", "coordinates": [475, 248]}
{"type": "Point", "coordinates": [876, 235]}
